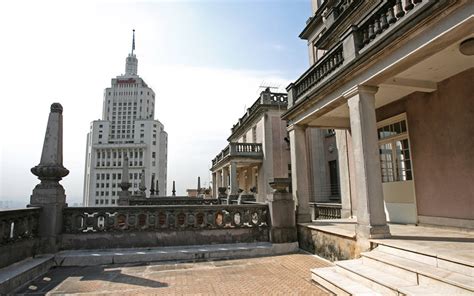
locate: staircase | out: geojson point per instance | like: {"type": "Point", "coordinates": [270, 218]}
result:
{"type": "Point", "coordinates": [389, 270]}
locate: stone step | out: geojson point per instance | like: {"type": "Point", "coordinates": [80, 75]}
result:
{"type": "Point", "coordinates": [421, 272]}
{"type": "Point", "coordinates": [22, 272]}
{"type": "Point", "coordinates": [451, 263]}
{"type": "Point", "coordinates": [432, 291]}
{"type": "Point", "coordinates": [337, 283]}
{"type": "Point", "coordinates": [379, 280]}
{"type": "Point", "coordinates": [181, 253]}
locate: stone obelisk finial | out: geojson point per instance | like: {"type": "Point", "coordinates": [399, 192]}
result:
{"type": "Point", "coordinates": [50, 170]}
{"type": "Point", "coordinates": [142, 186]}
{"type": "Point", "coordinates": [174, 189]}
{"type": "Point", "coordinates": [49, 194]}
{"type": "Point", "coordinates": [152, 187]}
{"type": "Point", "coordinates": [125, 184]}
{"type": "Point", "coordinates": [124, 194]}
{"type": "Point", "coordinates": [157, 188]}
{"type": "Point", "coordinates": [199, 185]}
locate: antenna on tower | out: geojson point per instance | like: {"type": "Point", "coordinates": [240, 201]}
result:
{"type": "Point", "coordinates": [268, 85]}
{"type": "Point", "coordinates": [133, 41]}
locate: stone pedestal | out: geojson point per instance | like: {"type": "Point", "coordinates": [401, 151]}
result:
{"type": "Point", "coordinates": [371, 220]}
{"type": "Point", "coordinates": [282, 212]}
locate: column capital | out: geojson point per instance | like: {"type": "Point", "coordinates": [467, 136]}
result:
{"type": "Point", "coordinates": [296, 127]}
{"type": "Point", "coordinates": [366, 89]}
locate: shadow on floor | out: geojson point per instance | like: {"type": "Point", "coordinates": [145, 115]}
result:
{"type": "Point", "coordinates": [57, 276]}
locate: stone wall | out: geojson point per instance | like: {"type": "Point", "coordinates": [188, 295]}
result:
{"type": "Point", "coordinates": [441, 129]}
{"type": "Point", "coordinates": [327, 245]}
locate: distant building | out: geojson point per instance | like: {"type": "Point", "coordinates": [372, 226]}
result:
{"type": "Point", "coordinates": [127, 129]}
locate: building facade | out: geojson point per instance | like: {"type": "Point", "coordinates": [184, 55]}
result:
{"type": "Point", "coordinates": [394, 80]}
{"type": "Point", "coordinates": [127, 130]}
{"type": "Point", "coordinates": [257, 150]}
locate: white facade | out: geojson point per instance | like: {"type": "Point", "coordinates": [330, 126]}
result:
{"type": "Point", "coordinates": [127, 128]}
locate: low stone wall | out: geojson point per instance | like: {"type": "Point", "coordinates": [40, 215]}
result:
{"type": "Point", "coordinates": [147, 226]}
{"type": "Point", "coordinates": [18, 234]}
{"type": "Point", "coordinates": [162, 238]}
{"type": "Point", "coordinates": [178, 200]}
{"type": "Point", "coordinates": [331, 246]}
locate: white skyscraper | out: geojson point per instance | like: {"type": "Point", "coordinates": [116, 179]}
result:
{"type": "Point", "coordinates": [127, 129]}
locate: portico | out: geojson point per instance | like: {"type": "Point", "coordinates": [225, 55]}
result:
{"type": "Point", "coordinates": [395, 112]}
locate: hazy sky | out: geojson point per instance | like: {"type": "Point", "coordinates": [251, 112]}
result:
{"type": "Point", "coordinates": [204, 59]}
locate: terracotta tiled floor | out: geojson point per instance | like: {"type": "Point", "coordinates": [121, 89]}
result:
{"type": "Point", "coordinates": [278, 275]}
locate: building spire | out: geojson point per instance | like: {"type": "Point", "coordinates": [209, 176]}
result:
{"type": "Point", "coordinates": [133, 41]}
{"type": "Point", "coordinates": [131, 65]}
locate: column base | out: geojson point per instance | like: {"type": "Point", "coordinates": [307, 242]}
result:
{"type": "Point", "coordinates": [373, 231]}
{"type": "Point", "coordinates": [303, 218]}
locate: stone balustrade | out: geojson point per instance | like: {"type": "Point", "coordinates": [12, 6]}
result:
{"type": "Point", "coordinates": [330, 62]}
{"type": "Point", "coordinates": [157, 218]}
{"type": "Point", "coordinates": [178, 200]}
{"type": "Point", "coordinates": [253, 150]}
{"type": "Point", "coordinates": [154, 226]}
{"type": "Point", "coordinates": [267, 98]}
{"type": "Point", "coordinates": [17, 225]}
{"type": "Point", "coordinates": [354, 45]}
{"type": "Point", "coordinates": [323, 211]}
{"type": "Point", "coordinates": [386, 16]}
{"type": "Point", "coordinates": [18, 234]}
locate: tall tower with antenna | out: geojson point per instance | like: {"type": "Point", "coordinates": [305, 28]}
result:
{"type": "Point", "coordinates": [128, 130]}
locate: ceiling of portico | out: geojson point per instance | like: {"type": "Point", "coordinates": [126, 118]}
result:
{"type": "Point", "coordinates": [441, 65]}
{"type": "Point", "coordinates": [424, 75]}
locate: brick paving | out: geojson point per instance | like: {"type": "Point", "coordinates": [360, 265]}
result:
{"type": "Point", "coordinates": [276, 275]}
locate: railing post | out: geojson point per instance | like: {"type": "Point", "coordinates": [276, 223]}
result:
{"type": "Point", "coordinates": [350, 44]}
{"type": "Point", "coordinates": [49, 194]}
{"type": "Point", "coordinates": [282, 212]}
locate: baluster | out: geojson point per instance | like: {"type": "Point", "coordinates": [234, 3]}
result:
{"type": "Point", "coordinates": [377, 28]}
{"type": "Point", "coordinates": [383, 21]}
{"type": "Point", "coordinates": [399, 9]}
{"type": "Point", "coordinates": [371, 31]}
{"type": "Point", "coordinates": [408, 5]}
{"type": "Point", "coordinates": [391, 16]}
{"type": "Point", "coordinates": [365, 38]}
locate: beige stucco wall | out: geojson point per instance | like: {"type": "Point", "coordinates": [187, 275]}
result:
{"type": "Point", "coordinates": [441, 130]}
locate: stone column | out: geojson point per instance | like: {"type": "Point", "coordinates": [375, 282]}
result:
{"type": "Point", "coordinates": [214, 185]}
{"type": "Point", "coordinates": [300, 172]}
{"type": "Point", "coordinates": [282, 212]}
{"type": "Point", "coordinates": [371, 220]}
{"type": "Point", "coordinates": [344, 173]}
{"type": "Point", "coordinates": [234, 186]}
{"type": "Point", "coordinates": [49, 194]}
{"type": "Point", "coordinates": [225, 178]}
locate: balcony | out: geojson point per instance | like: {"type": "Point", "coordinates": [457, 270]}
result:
{"type": "Point", "coordinates": [238, 150]}
{"type": "Point", "coordinates": [356, 32]}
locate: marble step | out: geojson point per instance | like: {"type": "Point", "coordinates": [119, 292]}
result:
{"type": "Point", "coordinates": [451, 263]}
{"type": "Point", "coordinates": [377, 279]}
{"type": "Point", "coordinates": [432, 291]}
{"type": "Point", "coordinates": [339, 284]}
{"type": "Point", "coordinates": [181, 253]}
{"type": "Point", "coordinates": [20, 273]}
{"type": "Point", "coordinates": [421, 272]}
